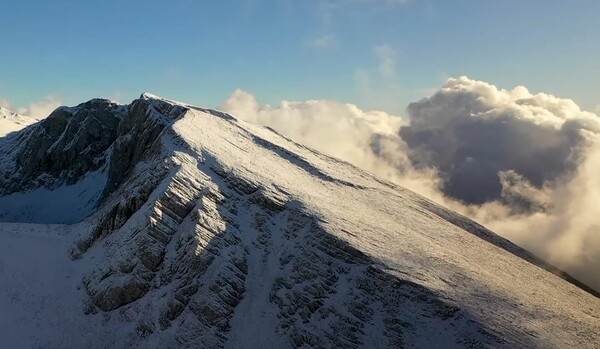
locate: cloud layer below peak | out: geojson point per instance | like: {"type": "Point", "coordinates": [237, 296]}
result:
{"type": "Point", "coordinates": [523, 164]}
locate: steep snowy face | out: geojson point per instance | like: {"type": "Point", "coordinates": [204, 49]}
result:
{"type": "Point", "coordinates": [211, 232]}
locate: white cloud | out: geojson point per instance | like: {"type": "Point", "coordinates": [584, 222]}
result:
{"type": "Point", "coordinates": [4, 103]}
{"type": "Point", "coordinates": [323, 42]}
{"type": "Point", "coordinates": [525, 163]}
{"type": "Point", "coordinates": [386, 57]}
{"type": "Point", "coordinates": [38, 110]}
{"type": "Point", "coordinates": [377, 85]}
{"type": "Point", "coordinates": [41, 109]}
{"type": "Point", "coordinates": [117, 96]}
{"type": "Point", "coordinates": [471, 131]}
{"type": "Point", "coordinates": [532, 159]}
{"type": "Point", "coordinates": [328, 12]}
{"type": "Point", "coordinates": [338, 129]}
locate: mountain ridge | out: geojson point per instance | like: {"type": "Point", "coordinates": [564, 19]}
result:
{"type": "Point", "coordinates": [207, 227]}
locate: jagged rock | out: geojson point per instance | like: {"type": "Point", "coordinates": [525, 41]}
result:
{"type": "Point", "coordinates": [212, 233]}
{"type": "Point", "coordinates": [68, 144]}
{"type": "Point", "coordinates": [118, 291]}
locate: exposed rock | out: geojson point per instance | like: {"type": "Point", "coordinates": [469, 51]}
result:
{"type": "Point", "coordinates": [196, 243]}
{"type": "Point", "coordinates": [62, 148]}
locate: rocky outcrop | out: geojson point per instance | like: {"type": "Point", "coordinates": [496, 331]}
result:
{"type": "Point", "coordinates": [98, 135]}
{"type": "Point", "coordinates": [196, 245]}
{"type": "Point", "coordinates": [189, 256]}
{"type": "Point", "coordinates": [130, 276]}
{"type": "Point", "coordinates": [67, 145]}
{"type": "Point", "coordinates": [245, 239]}
{"type": "Point", "coordinates": [138, 133]}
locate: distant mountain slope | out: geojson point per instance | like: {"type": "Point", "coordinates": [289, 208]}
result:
{"type": "Point", "coordinates": [10, 121]}
{"type": "Point", "coordinates": [190, 228]}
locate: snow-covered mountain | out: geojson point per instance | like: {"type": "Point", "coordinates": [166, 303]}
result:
{"type": "Point", "coordinates": [11, 121]}
{"type": "Point", "coordinates": [164, 225]}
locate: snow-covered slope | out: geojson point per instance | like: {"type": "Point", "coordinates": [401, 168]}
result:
{"type": "Point", "coordinates": [55, 171]}
{"type": "Point", "coordinates": [206, 231]}
{"type": "Point", "coordinates": [11, 122]}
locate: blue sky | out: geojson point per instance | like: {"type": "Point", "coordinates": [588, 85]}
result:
{"type": "Point", "coordinates": [378, 54]}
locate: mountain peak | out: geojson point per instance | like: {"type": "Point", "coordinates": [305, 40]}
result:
{"type": "Point", "coordinates": [203, 231]}
{"type": "Point", "coordinates": [148, 95]}
{"type": "Point", "coordinates": [151, 96]}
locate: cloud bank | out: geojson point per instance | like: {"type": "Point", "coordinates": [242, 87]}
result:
{"type": "Point", "coordinates": [473, 133]}
{"type": "Point", "coordinates": [341, 130]}
{"type": "Point", "coordinates": [525, 165]}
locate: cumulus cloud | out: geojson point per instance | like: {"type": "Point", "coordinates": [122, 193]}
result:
{"type": "Point", "coordinates": [568, 233]}
{"type": "Point", "coordinates": [472, 133]}
{"type": "Point", "coordinates": [525, 165]}
{"type": "Point", "coordinates": [338, 129]}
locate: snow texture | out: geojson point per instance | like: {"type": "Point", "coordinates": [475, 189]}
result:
{"type": "Point", "coordinates": [11, 122]}
{"type": "Point", "coordinates": [221, 234]}
{"type": "Point", "coordinates": [66, 204]}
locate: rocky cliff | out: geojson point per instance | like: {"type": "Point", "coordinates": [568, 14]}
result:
{"type": "Point", "coordinates": [209, 232]}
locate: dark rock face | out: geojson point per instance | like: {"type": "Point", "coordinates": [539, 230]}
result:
{"type": "Point", "coordinates": [65, 146]}
{"type": "Point", "coordinates": [98, 135]}
{"type": "Point", "coordinates": [193, 248]}
{"type": "Point", "coordinates": [137, 134]}
{"type": "Point", "coordinates": [193, 252]}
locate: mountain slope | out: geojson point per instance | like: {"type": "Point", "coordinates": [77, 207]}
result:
{"type": "Point", "coordinates": [206, 231]}
{"type": "Point", "coordinates": [11, 122]}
